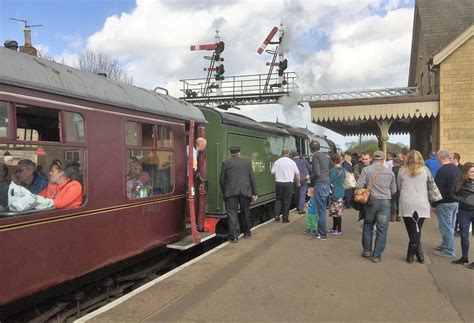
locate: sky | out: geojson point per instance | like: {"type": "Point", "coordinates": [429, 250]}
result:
{"type": "Point", "coordinates": [332, 45]}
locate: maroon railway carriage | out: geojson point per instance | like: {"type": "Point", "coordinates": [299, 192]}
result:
{"type": "Point", "coordinates": [49, 111]}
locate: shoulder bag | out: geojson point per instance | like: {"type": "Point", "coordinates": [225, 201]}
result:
{"type": "Point", "coordinates": [349, 181]}
{"type": "Point", "coordinates": [362, 195]}
{"type": "Point", "coordinates": [434, 195]}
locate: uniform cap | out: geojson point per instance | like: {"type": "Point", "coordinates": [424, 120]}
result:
{"type": "Point", "coordinates": [234, 149]}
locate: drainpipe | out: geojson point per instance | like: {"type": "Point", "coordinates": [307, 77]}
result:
{"type": "Point", "coordinates": [435, 70]}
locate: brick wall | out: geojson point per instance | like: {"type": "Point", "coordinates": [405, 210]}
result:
{"type": "Point", "coordinates": [456, 118]}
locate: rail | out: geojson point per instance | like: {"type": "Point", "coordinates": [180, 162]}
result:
{"type": "Point", "coordinates": [242, 89]}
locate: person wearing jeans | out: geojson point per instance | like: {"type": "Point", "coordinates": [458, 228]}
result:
{"type": "Point", "coordinates": [320, 176]}
{"type": "Point", "coordinates": [446, 213]}
{"type": "Point", "coordinates": [447, 208]}
{"type": "Point", "coordinates": [321, 194]}
{"type": "Point", "coordinates": [381, 183]}
{"type": "Point", "coordinates": [377, 212]}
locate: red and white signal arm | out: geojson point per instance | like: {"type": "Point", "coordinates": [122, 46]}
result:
{"type": "Point", "coordinates": [267, 40]}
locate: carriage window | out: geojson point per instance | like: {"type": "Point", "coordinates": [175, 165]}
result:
{"type": "Point", "coordinates": [165, 137]}
{"type": "Point", "coordinates": [150, 173]}
{"type": "Point", "coordinates": [37, 124]}
{"type": "Point", "coordinates": [147, 135]}
{"type": "Point", "coordinates": [30, 166]}
{"type": "Point", "coordinates": [131, 133]}
{"type": "Point", "coordinates": [74, 126]}
{"type": "Point", "coordinates": [3, 119]}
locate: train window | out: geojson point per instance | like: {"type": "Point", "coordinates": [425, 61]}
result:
{"type": "Point", "coordinates": [37, 124]}
{"type": "Point", "coordinates": [3, 119]}
{"type": "Point", "coordinates": [29, 166]}
{"type": "Point", "coordinates": [131, 133]}
{"type": "Point", "coordinates": [165, 138]}
{"type": "Point", "coordinates": [150, 173]}
{"type": "Point", "coordinates": [74, 126]}
{"type": "Point", "coordinates": [147, 135]}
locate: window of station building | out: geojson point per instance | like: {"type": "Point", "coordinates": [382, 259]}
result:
{"type": "Point", "coordinates": [30, 165]}
{"type": "Point", "coordinates": [3, 119]}
{"type": "Point", "coordinates": [74, 126]}
{"type": "Point", "coordinates": [37, 124]}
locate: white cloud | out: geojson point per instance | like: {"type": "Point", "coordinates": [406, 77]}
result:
{"type": "Point", "coordinates": [362, 43]}
{"type": "Point", "coordinates": [74, 41]}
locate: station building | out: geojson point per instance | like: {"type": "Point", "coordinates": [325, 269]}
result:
{"type": "Point", "coordinates": [437, 107]}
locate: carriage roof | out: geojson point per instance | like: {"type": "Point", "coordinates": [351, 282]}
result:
{"type": "Point", "coordinates": [32, 72]}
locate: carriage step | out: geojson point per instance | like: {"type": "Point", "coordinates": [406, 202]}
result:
{"type": "Point", "coordinates": [187, 241]}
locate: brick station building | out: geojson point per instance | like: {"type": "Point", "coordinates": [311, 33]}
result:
{"type": "Point", "coordinates": [442, 63]}
{"type": "Point", "coordinates": [441, 114]}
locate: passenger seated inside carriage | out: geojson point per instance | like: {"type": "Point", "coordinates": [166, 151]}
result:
{"type": "Point", "coordinates": [28, 176]}
{"type": "Point", "coordinates": [138, 182]}
{"type": "Point", "coordinates": [64, 188]}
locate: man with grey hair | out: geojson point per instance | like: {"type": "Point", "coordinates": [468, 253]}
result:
{"type": "Point", "coordinates": [447, 208]}
{"type": "Point", "coordinates": [28, 176]}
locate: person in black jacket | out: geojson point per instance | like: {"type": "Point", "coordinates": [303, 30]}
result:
{"type": "Point", "coordinates": [238, 186]}
{"type": "Point", "coordinates": [464, 189]}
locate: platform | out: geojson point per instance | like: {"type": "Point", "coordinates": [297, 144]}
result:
{"type": "Point", "coordinates": [281, 275]}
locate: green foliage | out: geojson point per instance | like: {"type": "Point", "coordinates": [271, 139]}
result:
{"type": "Point", "coordinates": [371, 145]}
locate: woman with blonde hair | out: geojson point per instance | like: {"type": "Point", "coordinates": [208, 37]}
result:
{"type": "Point", "coordinates": [414, 206]}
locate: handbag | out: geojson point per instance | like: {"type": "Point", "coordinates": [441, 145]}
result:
{"type": "Point", "coordinates": [362, 195]}
{"type": "Point", "coordinates": [349, 181]}
{"type": "Point", "coordinates": [434, 195]}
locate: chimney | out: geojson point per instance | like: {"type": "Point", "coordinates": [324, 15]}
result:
{"type": "Point", "coordinates": [28, 48]}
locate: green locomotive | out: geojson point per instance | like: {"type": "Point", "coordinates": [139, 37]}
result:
{"type": "Point", "coordinates": [260, 143]}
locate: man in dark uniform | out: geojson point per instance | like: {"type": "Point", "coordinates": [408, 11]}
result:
{"type": "Point", "coordinates": [238, 186]}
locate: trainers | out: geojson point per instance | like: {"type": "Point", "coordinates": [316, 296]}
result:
{"type": "Point", "coordinates": [322, 238]}
{"type": "Point", "coordinates": [307, 231]}
{"type": "Point", "coordinates": [331, 231]}
{"type": "Point", "coordinates": [439, 248]}
{"type": "Point", "coordinates": [366, 254]}
{"type": "Point", "coordinates": [337, 233]}
{"type": "Point", "coordinates": [375, 260]}
{"type": "Point", "coordinates": [442, 253]}
{"type": "Point", "coordinates": [315, 236]}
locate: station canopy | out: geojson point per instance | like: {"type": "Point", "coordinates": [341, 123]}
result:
{"type": "Point", "coordinates": [353, 117]}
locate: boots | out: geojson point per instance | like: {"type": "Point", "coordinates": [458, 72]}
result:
{"type": "Point", "coordinates": [419, 254]}
{"type": "Point", "coordinates": [411, 252]}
